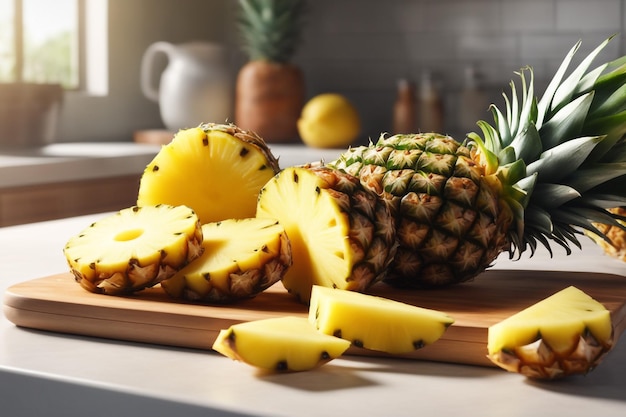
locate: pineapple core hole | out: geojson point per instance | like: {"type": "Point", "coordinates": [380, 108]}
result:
{"type": "Point", "coordinates": [127, 235]}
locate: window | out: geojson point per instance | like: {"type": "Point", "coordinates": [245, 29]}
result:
{"type": "Point", "coordinates": [41, 41]}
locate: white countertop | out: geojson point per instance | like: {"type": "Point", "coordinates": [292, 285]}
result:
{"type": "Point", "coordinates": [52, 374]}
{"type": "Point", "coordinates": [60, 162]}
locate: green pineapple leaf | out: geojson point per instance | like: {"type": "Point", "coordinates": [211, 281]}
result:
{"type": "Point", "coordinates": [595, 175]}
{"type": "Point", "coordinates": [557, 162]}
{"type": "Point", "coordinates": [270, 29]}
{"type": "Point", "coordinates": [527, 143]}
{"type": "Point", "coordinates": [567, 123]}
{"type": "Point", "coordinates": [550, 196]}
{"type": "Point", "coordinates": [565, 92]}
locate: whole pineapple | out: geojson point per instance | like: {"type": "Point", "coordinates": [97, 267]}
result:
{"type": "Point", "coordinates": [540, 174]}
{"type": "Point", "coordinates": [270, 90]}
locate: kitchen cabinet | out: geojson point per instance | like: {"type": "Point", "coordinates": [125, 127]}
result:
{"type": "Point", "coordinates": [33, 203]}
{"type": "Point", "coordinates": [69, 179]}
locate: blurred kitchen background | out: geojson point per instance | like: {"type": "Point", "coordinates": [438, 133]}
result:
{"type": "Point", "coordinates": [464, 51]}
{"type": "Point", "coordinates": [359, 48]}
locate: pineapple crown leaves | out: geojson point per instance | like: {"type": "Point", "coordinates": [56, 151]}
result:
{"type": "Point", "coordinates": [270, 29]}
{"type": "Point", "coordinates": [562, 158]}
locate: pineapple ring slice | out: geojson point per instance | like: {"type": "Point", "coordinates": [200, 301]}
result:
{"type": "Point", "coordinates": [134, 248]}
{"type": "Point", "coordinates": [241, 258]}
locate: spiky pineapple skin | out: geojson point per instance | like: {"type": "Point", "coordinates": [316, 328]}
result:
{"type": "Point", "coordinates": [538, 361]}
{"type": "Point", "coordinates": [362, 226]}
{"type": "Point", "coordinates": [451, 223]}
{"type": "Point", "coordinates": [132, 267]}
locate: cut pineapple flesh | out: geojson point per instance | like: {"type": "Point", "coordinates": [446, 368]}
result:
{"type": "Point", "coordinates": [616, 244]}
{"type": "Point", "coordinates": [341, 235]}
{"type": "Point", "coordinates": [217, 170]}
{"type": "Point", "coordinates": [566, 333]}
{"type": "Point", "coordinates": [375, 323]}
{"type": "Point", "coordinates": [135, 248]}
{"type": "Point", "coordinates": [279, 344]}
{"type": "Point", "coordinates": [241, 258]}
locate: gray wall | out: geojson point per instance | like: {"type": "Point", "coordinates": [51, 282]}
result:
{"type": "Point", "coordinates": [133, 26]}
{"type": "Point", "coordinates": [359, 48]}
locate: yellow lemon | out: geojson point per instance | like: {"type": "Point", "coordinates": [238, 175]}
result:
{"type": "Point", "coordinates": [329, 120]}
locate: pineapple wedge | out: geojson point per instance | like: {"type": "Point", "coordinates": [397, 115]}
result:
{"type": "Point", "coordinates": [279, 344]}
{"type": "Point", "coordinates": [136, 248]}
{"type": "Point", "coordinates": [341, 234]}
{"type": "Point", "coordinates": [217, 170]}
{"type": "Point", "coordinates": [615, 246]}
{"type": "Point", "coordinates": [241, 258]}
{"type": "Point", "coordinates": [375, 323]}
{"type": "Point", "coordinates": [564, 334]}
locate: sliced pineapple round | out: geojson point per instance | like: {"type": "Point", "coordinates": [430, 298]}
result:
{"type": "Point", "coordinates": [341, 234]}
{"type": "Point", "coordinates": [564, 334]}
{"type": "Point", "coordinates": [215, 169]}
{"type": "Point", "coordinates": [241, 258]}
{"type": "Point", "coordinates": [279, 344]}
{"type": "Point", "coordinates": [134, 248]}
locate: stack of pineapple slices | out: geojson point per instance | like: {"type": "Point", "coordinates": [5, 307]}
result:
{"type": "Point", "coordinates": [184, 227]}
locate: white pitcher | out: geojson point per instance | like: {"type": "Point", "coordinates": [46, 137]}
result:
{"type": "Point", "coordinates": [194, 88]}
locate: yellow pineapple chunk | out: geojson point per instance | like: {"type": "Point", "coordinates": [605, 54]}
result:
{"type": "Point", "coordinates": [135, 248]}
{"type": "Point", "coordinates": [375, 323]}
{"type": "Point", "coordinates": [341, 234]}
{"type": "Point", "coordinates": [217, 170]}
{"type": "Point", "coordinates": [241, 258]}
{"type": "Point", "coordinates": [279, 344]}
{"type": "Point", "coordinates": [566, 333]}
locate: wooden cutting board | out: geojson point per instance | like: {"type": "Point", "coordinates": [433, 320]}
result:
{"type": "Point", "coordinates": [56, 303]}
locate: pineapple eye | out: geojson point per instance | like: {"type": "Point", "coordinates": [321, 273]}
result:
{"type": "Point", "coordinates": [127, 235]}
{"type": "Point", "coordinates": [282, 366]}
{"type": "Point", "coordinates": [418, 344]}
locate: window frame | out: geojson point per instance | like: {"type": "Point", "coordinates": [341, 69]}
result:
{"type": "Point", "coordinates": [18, 44]}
